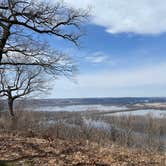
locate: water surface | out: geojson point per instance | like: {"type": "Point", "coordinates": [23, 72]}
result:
{"type": "Point", "coordinates": [73, 108]}
{"type": "Point", "coordinates": [141, 112]}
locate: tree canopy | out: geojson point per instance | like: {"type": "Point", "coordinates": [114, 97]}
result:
{"type": "Point", "coordinates": [26, 60]}
{"type": "Point", "coordinates": [21, 20]}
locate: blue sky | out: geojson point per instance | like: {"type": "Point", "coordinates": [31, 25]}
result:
{"type": "Point", "coordinates": [122, 54]}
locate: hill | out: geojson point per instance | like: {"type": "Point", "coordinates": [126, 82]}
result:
{"type": "Point", "coordinates": [29, 150]}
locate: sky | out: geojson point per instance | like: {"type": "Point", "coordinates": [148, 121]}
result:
{"type": "Point", "coordinates": [122, 53]}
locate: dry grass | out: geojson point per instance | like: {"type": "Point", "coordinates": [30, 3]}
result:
{"type": "Point", "coordinates": [17, 149]}
{"type": "Point", "coordinates": [63, 139]}
{"type": "Point", "coordinates": [137, 132]}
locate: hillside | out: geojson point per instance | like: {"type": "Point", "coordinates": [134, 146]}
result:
{"type": "Point", "coordinates": [29, 150]}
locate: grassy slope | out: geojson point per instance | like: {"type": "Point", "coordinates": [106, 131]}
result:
{"type": "Point", "coordinates": [24, 150]}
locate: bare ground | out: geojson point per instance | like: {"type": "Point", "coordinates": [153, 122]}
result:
{"type": "Point", "coordinates": [18, 149]}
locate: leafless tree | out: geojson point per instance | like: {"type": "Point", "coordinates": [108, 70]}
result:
{"type": "Point", "coordinates": [20, 23]}
{"type": "Point", "coordinates": [20, 81]}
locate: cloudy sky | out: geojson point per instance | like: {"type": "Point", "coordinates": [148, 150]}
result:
{"type": "Point", "coordinates": [123, 52]}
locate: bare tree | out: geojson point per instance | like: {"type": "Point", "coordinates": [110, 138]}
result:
{"type": "Point", "coordinates": [23, 50]}
{"type": "Point", "coordinates": [22, 20]}
{"type": "Point", "coordinates": [20, 81]}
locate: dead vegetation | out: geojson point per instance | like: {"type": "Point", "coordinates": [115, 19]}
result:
{"type": "Point", "coordinates": [63, 138]}
{"type": "Point", "coordinates": [17, 149]}
{"type": "Point", "coordinates": [148, 133]}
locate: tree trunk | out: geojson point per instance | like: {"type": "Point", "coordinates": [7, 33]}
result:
{"type": "Point", "coordinates": [3, 40]}
{"type": "Point", "coordinates": [0, 55]}
{"type": "Point", "coordinates": [10, 105]}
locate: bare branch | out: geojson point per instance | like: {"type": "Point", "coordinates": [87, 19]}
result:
{"type": "Point", "coordinates": [38, 17]}
{"type": "Point", "coordinates": [20, 81]}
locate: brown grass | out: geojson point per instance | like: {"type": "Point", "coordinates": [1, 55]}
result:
{"type": "Point", "coordinates": [18, 149]}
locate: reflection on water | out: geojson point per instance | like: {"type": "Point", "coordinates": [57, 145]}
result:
{"type": "Point", "coordinates": [143, 112]}
{"type": "Point", "coordinates": [71, 108]}
{"type": "Point", "coordinates": [97, 124]}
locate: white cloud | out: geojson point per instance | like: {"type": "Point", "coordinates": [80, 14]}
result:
{"type": "Point", "coordinates": [136, 16]}
{"type": "Point", "coordinates": [97, 58]}
{"type": "Point", "coordinates": [133, 82]}
{"type": "Point", "coordinates": [132, 78]}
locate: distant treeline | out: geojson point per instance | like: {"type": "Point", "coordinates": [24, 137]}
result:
{"type": "Point", "coordinates": [91, 101]}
